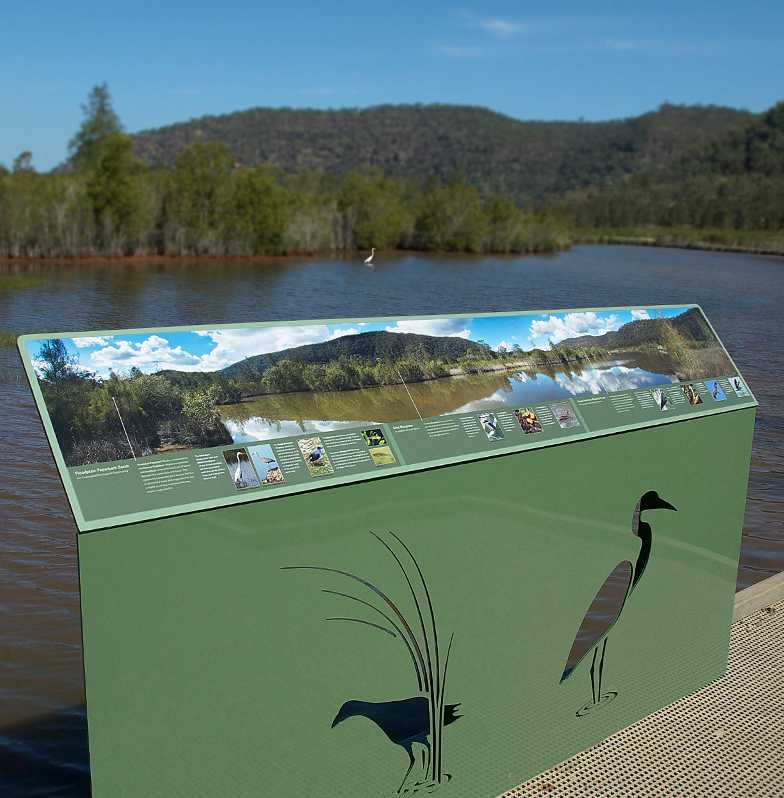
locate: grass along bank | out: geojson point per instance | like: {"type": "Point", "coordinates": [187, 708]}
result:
{"type": "Point", "coordinates": [753, 242]}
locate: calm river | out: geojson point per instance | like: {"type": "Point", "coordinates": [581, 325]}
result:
{"type": "Point", "coordinates": [276, 415]}
{"type": "Point", "coordinates": [43, 748]}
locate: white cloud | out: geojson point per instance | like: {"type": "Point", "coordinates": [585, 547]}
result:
{"type": "Point", "coordinates": [234, 345]}
{"type": "Point", "coordinates": [151, 354]}
{"type": "Point", "coordinates": [86, 340]}
{"type": "Point", "coordinates": [40, 366]}
{"type": "Point", "coordinates": [453, 328]}
{"type": "Point", "coordinates": [503, 345]}
{"type": "Point", "coordinates": [502, 27]}
{"type": "Point", "coordinates": [640, 314]}
{"type": "Point", "coordinates": [339, 333]}
{"type": "Point", "coordinates": [570, 325]}
{"type": "Point", "coordinates": [615, 378]}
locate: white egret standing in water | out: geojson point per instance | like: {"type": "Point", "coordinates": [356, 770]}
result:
{"type": "Point", "coordinates": [369, 258]}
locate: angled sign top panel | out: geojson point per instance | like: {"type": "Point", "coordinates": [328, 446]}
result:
{"type": "Point", "coordinates": [150, 423]}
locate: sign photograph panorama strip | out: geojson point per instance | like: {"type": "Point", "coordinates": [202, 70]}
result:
{"type": "Point", "coordinates": [151, 423]}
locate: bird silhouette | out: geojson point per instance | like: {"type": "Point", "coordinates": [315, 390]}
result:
{"type": "Point", "coordinates": [404, 722]}
{"type": "Point", "coordinates": [369, 258]}
{"type": "Point", "coordinates": [624, 575]}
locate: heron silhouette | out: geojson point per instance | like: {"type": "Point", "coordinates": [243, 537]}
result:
{"type": "Point", "coordinates": [404, 722]}
{"type": "Point", "coordinates": [628, 576]}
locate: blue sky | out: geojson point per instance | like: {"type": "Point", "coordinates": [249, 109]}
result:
{"type": "Point", "coordinates": [209, 350]}
{"type": "Point", "coordinates": [167, 62]}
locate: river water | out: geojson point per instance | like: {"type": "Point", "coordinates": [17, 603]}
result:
{"type": "Point", "coordinates": [276, 415]}
{"type": "Point", "coordinates": [43, 750]}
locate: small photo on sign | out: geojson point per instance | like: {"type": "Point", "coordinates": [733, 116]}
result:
{"type": "Point", "coordinates": [380, 452]}
{"type": "Point", "coordinates": [316, 457]}
{"type": "Point", "coordinates": [490, 425]}
{"type": "Point", "coordinates": [715, 390]}
{"type": "Point", "coordinates": [662, 402]}
{"type": "Point", "coordinates": [240, 469]}
{"type": "Point", "coordinates": [692, 397]}
{"type": "Point", "coordinates": [737, 385]}
{"type": "Point", "coordinates": [565, 416]}
{"type": "Point", "coordinates": [528, 420]}
{"type": "Point", "coordinates": [266, 464]}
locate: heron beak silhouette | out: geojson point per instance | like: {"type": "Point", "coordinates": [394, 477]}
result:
{"type": "Point", "coordinates": [336, 721]}
{"type": "Point", "coordinates": [663, 505]}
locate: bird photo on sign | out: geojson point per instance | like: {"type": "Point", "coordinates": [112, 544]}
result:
{"type": "Point", "coordinates": [240, 469]}
{"type": "Point", "coordinates": [528, 419]}
{"type": "Point", "coordinates": [316, 457]}
{"type": "Point", "coordinates": [737, 385]}
{"type": "Point", "coordinates": [692, 397]}
{"type": "Point", "coordinates": [414, 722]}
{"type": "Point", "coordinates": [716, 391]}
{"type": "Point", "coordinates": [489, 422]}
{"type": "Point", "coordinates": [264, 461]}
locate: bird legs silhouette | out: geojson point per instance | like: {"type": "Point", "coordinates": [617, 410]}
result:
{"type": "Point", "coordinates": [597, 694]}
{"type": "Point", "coordinates": [410, 753]}
{"type": "Point", "coordinates": [425, 763]}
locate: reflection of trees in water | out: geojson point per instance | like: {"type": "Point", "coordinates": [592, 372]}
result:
{"type": "Point", "coordinates": [387, 403]}
{"type": "Point", "coordinates": [435, 397]}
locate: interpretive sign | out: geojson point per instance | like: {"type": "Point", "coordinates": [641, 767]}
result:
{"type": "Point", "coordinates": [148, 423]}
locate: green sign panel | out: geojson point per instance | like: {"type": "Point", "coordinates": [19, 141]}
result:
{"type": "Point", "coordinates": [153, 423]}
{"type": "Point", "coordinates": [393, 556]}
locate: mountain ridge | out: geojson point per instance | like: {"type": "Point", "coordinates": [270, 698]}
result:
{"type": "Point", "coordinates": [690, 325]}
{"type": "Point", "coordinates": [526, 159]}
{"type": "Point", "coordinates": [367, 345]}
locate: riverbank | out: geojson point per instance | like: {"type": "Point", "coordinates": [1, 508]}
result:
{"type": "Point", "coordinates": [356, 255]}
{"type": "Point", "coordinates": [710, 240]}
{"type": "Point", "coordinates": [541, 365]}
{"type": "Point", "coordinates": [745, 242]}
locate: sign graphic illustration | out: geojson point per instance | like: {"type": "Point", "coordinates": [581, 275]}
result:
{"type": "Point", "coordinates": [626, 577]}
{"type": "Point", "coordinates": [419, 719]}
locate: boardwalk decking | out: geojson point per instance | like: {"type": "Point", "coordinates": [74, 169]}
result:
{"type": "Point", "coordinates": [724, 740]}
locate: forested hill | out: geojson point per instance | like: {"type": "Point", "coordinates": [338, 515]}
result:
{"type": "Point", "coordinates": [367, 346]}
{"type": "Point", "coordinates": [690, 326]}
{"type": "Point", "coordinates": [525, 159]}
{"type": "Point", "coordinates": [754, 149]}
{"type": "Point", "coordinates": [734, 183]}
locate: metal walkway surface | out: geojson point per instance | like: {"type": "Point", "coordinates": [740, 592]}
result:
{"type": "Point", "coordinates": [724, 740]}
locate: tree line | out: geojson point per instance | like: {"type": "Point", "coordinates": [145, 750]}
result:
{"type": "Point", "coordinates": [730, 191]}
{"type": "Point", "coordinates": [87, 413]}
{"type": "Point", "coordinates": [107, 202]}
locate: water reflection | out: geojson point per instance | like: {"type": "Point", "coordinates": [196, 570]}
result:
{"type": "Point", "coordinates": [295, 413]}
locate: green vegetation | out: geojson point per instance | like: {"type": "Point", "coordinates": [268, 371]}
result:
{"type": "Point", "coordinates": [156, 413]}
{"type": "Point", "coordinates": [728, 194]}
{"type": "Point", "coordinates": [206, 202]}
{"type": "Point", "coordinates": [525, 160]}
{"type": "Point", "coordinates": [429, 178]}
